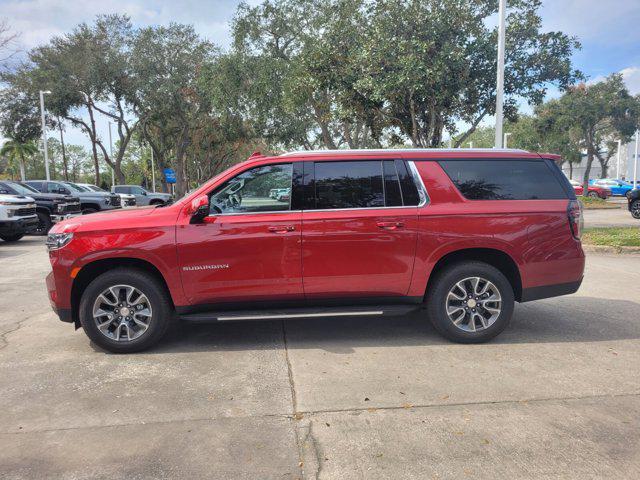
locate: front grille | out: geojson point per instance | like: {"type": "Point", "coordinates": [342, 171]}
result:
{"type": "Point", "coordinates": [131, 202]}
{"type": "Point", "coordinates": [69, 208]}
{"type": "Point", "coordinates": [24, 212]}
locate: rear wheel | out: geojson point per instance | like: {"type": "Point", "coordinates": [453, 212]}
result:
{"type": "Point", "coordinates": [470, 302]}
{"type": "Point", "coordinates": [125, 310]}
{"type": "Point", "coordinates": [635, 209]}
{"type": "Point", "coordinates": [593, 194]}
{"type": "Point", "coordinates": [12, 238]}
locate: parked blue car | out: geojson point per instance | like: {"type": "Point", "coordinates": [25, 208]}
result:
{"type": "Point", "coordinates": [617, 187]}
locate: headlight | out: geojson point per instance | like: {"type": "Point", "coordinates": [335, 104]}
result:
{"type": "Point", "coordinates": [56, 241]}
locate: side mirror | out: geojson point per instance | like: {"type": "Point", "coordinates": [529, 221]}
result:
{"type": "Point", "coordinates": [199, 207]}
{"type": "Point", "coordinates": [144, 193]}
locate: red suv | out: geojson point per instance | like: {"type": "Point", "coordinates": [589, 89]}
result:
{"type": "Point", "coordinates": [457, 234]}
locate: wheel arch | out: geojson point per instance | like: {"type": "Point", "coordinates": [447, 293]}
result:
{"type": "Point", "coordinates": [91, 270]}
{"type": "Point", "coordinates": [492, 256]}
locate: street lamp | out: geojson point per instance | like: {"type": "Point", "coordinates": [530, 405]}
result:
{"type": "Point", "coordinates": [506, 136]}
{"type": "Point", "coordinates": [618, 162]}
{"type": "Point", "coordinates": [500, 74]}
{"type": "Point", "coordinates": [44, 133]}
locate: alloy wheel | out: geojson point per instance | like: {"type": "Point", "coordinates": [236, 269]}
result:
{"type": "Point", "coordinates": [122, 313]}
{"type": "Point", "coordinates": [473, 304]}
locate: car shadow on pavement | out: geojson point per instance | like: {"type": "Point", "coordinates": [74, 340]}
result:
{"type": "Point", "coordinates": [568, 319]}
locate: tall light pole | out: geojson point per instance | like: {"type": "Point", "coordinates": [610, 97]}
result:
{"type": "Point", "coordinates": [505, 136]}
{"type": "Point", "coordinates": [470, 144]}
{"type": "Point", "coordinates": [113, 177]}
{"type": "Point", "coordinates": [618, 161]}
{"type": "Point", "coordinates": [635, 162]}
{"type": "Point", "coordinates": [44, 133]}
{"type": "Point", "coordinates": [500, 76]}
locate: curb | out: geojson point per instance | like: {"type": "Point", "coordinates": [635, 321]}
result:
{"type": "Point", "coordinates": [610, 249]}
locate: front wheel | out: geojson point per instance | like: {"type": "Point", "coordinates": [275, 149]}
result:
{"type": "Point", "coordinates": [44, 224]}
{"type": "Point", "coordinates": [125, 310]}
{"type": "Point", "coordinates": [593, 195]}
{"type": "Point", "coordinates": [470, 302]}
{"type": "Point", "coordinates": [635, 209]}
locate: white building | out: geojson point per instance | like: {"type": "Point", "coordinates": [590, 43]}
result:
{"type": "Point", "coordinates": [626, 165]}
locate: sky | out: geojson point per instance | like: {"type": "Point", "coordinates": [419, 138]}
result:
{"type": "Point", "coordinates": [608, 31]}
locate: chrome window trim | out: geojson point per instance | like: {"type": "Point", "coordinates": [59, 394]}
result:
{"type": "Point", "coordinates": [413, 171]}
{"type": "Point", "coordinates": [417, 179]}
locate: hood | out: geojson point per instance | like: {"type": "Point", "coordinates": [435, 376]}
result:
{"type": "Point", "coordinates": [110, 219]}
{"type": "Point", "coordinates": [55, 197]}
{"type": "Point", "coordinates": [95, 194]}
{"type": "Point", "coordinates": [18, 199]}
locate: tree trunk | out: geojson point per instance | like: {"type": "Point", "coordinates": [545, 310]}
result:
{"type": "Point", "coordinates": [94, 145]}
{"type": "Point", "coordinates": [181, 174]}
{"type": "Point", "coordinates": [23, 176]}
{"type": "Point", "coordinates": [587, 171]}
{"type": "Point", "coordinates": [64, 153]}
{"type": "Point", "coordinates": [570, 170]}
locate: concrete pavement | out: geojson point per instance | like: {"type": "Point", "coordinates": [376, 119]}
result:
{"type": "Point", "coordinates": [612, 217]}
{"type": "Point", "coordinates": [557, 395]}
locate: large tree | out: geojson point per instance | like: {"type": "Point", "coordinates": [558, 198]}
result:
{"type": "Point", "coordinates": [16, 150]}
{"type": "Point", "coordinates": [167, 62]}
{"type": "Point", "coordinates": [88, 71]}
{"type": "Point", "coordinates": [595, 112]}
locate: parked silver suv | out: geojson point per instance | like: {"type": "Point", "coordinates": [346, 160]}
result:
{"type": "Point", "coordinates": [143, 197]}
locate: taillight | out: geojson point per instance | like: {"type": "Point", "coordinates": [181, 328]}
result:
{"type": "Point", "coordinates": [576, 221]}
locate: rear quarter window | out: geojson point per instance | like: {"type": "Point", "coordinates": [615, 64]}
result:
{"type": "Point", "coordinates": [504, 179]}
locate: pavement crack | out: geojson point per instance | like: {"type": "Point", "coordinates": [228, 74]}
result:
{"type": "Point", "coordinates": [311, 453]}
{"type": "Point", "coordinates": [294, 401]}
{"type": "Point", "coordinates": [18, 325]}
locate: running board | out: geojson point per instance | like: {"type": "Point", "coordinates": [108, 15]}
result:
{"type": "Point", "coordinates": [291, 313]}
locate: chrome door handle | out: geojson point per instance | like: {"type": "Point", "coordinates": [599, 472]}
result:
{"type": "Point", "coordinates": [282, 228]}
{"type": "Point", "coordinates": [390, 225]}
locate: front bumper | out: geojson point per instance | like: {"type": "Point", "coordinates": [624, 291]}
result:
{"type": "Point", "coordinates": [20, 225]}
{"type": "Point", "coordinates": [64, 216]}
{"type": "Point", "coordinates": [63, 313]}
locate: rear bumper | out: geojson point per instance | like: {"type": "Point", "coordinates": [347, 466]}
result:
{"type": "Point", "coordinates": [547, 291]}
{"type": "Point", "coordinates": [15, 227]}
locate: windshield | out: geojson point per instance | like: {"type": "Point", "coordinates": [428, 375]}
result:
{"type": "Point", "coordinates": [75, 187]}
{"type": "Point", "coordinates": [21, 189]}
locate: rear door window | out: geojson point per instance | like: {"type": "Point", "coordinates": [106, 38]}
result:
{"type": "Point", "coordinates": [356, 184]}
{"type": "Point", "coordinates": [504, 179]}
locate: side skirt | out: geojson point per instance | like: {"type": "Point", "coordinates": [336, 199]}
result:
{"type": "Point", "coordinates": [284, 313]}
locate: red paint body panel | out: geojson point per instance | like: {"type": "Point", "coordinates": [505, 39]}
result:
{"type": "Point", "coordinates": [246, 260]}
{"type": "Point", "coordinates": [381, 252]}
{"type": "Point", "coordinates": [360, 252]}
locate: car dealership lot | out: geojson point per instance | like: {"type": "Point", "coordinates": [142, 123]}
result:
{"type": "Point", "coordinates": [557, 395]}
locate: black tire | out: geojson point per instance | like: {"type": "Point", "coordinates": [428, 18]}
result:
{"type": "Point", "coordinates": [156, 202]}
{"type": "Point", "coordinates": [156, 293]}
{"type": "Point", "coordinates": [12, 238]}
{"type": "Point", "coordinates": [44, 224]}
{"type": "Point", "coordinates": [593, 195]}
{"type": "Point", "coordinates": [87, 211]}
{"type": "Point", "coordinates": [635, 209]}
{"type": "Point", "coordinates": [446, 279]}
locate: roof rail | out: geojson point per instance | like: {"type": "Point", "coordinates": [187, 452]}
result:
{"type": "Point", "coordinates": [400, 150]}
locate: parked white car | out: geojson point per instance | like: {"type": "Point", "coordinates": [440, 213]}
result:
{"type": "Point", "coordinates": [17, 217]}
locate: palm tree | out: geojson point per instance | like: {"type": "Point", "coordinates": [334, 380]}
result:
{"type": "Point", "coordinates": [16, 150]}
